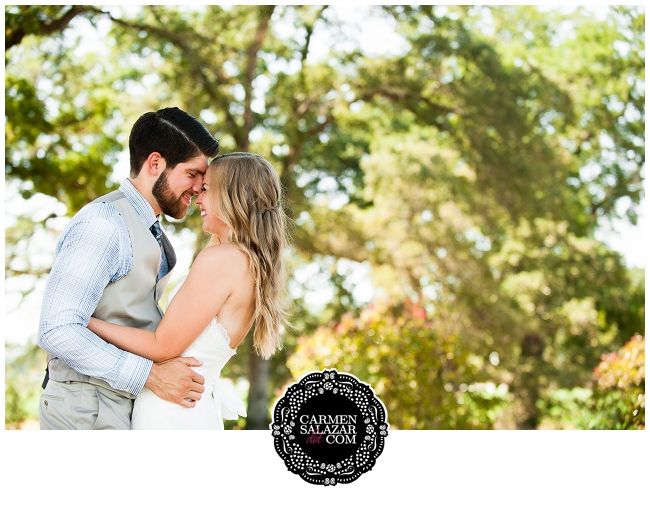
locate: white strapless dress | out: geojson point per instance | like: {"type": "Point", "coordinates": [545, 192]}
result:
{"type": "Point", "coordinates": [219, 401]}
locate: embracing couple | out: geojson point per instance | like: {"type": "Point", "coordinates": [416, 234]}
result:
{"type": "Point", "coordinates": [114, 361]}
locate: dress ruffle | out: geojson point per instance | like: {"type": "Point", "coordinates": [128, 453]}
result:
{"type": "Point", "coordinates": [227, 399]}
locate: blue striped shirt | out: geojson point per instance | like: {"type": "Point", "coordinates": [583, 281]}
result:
{"type": "Point", "coordinates": [93, 250]}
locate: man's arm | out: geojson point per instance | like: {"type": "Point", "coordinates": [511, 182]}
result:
{"type": "Point", "coordinates": [90, 255]}
{"type": "Point", "coordinates": [94, 251]}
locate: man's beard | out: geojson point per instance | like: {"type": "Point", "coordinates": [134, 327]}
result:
{"type": "Point", "coordinates": [169, 204]}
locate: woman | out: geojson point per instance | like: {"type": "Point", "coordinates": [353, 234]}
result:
{"type": "Point", "coordinates": [236, 281]}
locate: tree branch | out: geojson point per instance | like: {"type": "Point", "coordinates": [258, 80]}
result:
{"type": "Point", "coordinates": [251, 65]}
{"type": "Point", "coordinates": [14, 36]}
{"type": "Point", "coordinates": [310, 31]}
{"type": "Point", "coordinates": [402, 95]}
{"type": "Point", "coordinates": [58, 25]}
{"type": "Point", "coordinates": [303, 61]}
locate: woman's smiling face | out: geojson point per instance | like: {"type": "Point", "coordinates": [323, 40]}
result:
{"type": "Point", "coordinates": [212, 223]}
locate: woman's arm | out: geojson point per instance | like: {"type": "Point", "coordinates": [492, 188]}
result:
{"type": "Point", "coordinates": [211, 280]}
{"type": "Point", "coordinates": [138, 341]}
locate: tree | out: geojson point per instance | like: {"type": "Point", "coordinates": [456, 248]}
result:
{"type": "Point", "coordinates": [473, 208]}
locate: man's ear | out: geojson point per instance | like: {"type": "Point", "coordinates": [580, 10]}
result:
{"type": "Point", "coordinates": [155, 164]}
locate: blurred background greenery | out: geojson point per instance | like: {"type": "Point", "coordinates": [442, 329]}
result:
{"type": "Point", "coordinates": [447, 171]}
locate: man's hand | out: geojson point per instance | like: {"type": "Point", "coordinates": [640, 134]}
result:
{"type": "Point", "coordinates": [174, 381]}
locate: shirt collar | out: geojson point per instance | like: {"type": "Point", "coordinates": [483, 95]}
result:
{"type": "Point", "coordinates": [139, 203]}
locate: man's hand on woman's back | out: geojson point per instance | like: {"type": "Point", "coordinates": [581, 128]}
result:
{"type": "Point", "coordinates": [174, 381]}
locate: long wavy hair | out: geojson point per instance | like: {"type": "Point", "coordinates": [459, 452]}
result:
{"type": "Point", "coordinates": [250, 203]}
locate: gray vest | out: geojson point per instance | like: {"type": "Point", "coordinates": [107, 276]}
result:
{"type": "Point", "coordinates": [133, 300]}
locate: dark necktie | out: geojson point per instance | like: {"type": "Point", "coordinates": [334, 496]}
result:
{"type": "Point", "coordinates": [157, 233]}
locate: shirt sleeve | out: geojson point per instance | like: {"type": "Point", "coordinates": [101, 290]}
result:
{"type": "Point", "coordinates": [90, 254]}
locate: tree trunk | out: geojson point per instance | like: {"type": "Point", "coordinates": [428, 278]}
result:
{"type": "Point", "coordinates": [258, 401]}
{"type": "Point", "coordinates": [528, 392]}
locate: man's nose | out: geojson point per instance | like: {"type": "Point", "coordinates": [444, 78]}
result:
{"type": "Point", "coordinates": [198, 185]}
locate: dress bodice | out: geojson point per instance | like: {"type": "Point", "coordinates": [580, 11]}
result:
{"type": "Point", "coordinates": [213, 348]}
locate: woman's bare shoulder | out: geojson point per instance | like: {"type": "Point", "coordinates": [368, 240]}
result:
{"type": "Point", "coordinates": [224, 256]}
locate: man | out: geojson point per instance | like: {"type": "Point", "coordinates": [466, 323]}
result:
{"type": "Point", "coordinates": [113, 262]}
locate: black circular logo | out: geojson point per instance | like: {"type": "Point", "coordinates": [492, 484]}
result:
{"type": "Point", "coordinates": [329, 427]}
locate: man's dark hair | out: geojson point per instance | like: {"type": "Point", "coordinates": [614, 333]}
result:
{"type": "Point", "coordinates": [175, 134]}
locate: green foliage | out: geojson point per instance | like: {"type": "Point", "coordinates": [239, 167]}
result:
{"type": "Point", "coordinates": [65, 151]}
{"type": "Point", "coordinates": [629, 315]}
{"type": "Point", "coordinates": [617, 400]}
{"type": "Point", "coordinates": [601, 67]}
{"type": "Point", "coordinates": [23, 376]}
{"type": "Point", "coordinates": [425, 376]}
{"type": "Point", "coordinates": [15, 412]}
{"type": "Point", "coordinates": [37, 20]}
{"type": "Point", "coordinates": [567, 409]}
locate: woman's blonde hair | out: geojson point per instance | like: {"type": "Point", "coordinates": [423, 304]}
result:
{"type": "Point", "coordinates": [251, 205]}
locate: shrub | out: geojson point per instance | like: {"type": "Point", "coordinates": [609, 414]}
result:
{"type": "Point", "coordinates": [619, 394]}
{"type": "Point", "coordinates": [426, 377]}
